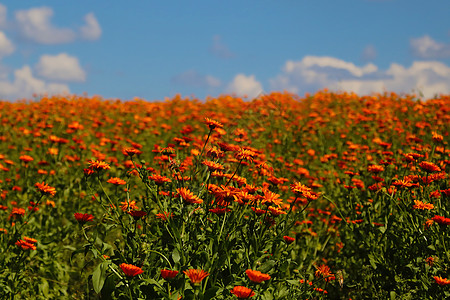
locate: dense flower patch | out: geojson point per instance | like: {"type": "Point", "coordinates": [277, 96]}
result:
{"type": "Point", "coordinates": [330, 196]}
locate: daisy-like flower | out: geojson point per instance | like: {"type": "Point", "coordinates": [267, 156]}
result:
{"type": "Point", "coordinates": [25, 245]}
{"type": "Point", "coordinates": [324, 272]}
{"type": "Point", "coordinates": [212, 124]}
{"type": "Point", "coordinates": [158, 179]}
{"type": "Point", "coordinates": [257, 276]}
{"type": "Point", "coordinates": [242, 292]}
{"type": "Point", "coordinates": [131, 205]}
{"type": "Point", "coordinates": [188, 196]}
{"type": "Point", "coordinates": [26, 158]}
{"type": "Point", "coordinates": [422, 205]}
{"type": "Point", "coordinates": [245, 154]}
{"type": "Point", "coordinates": [196, 275]}
{"type": "Point", "coordinates": [116, 181]}
{"type": "Point", "coordinates": [375, 169]}
{"type": "Point", "coordinates": [441, 220]}
{"type": "Point", "coordinates": [83, 218]}
{"type": "Point", "coordinates": [168, 274]}
{"type": "Point", "coordinates": [271, 198]}
{"type": "Point", "coordinates": [276, 211]}
{"type": "Point", "coordinates": [131, 151]}
{"type": "Point", "coordinates": [288, 239]}
{"type": "Point", "coordinates": [45, 188]}
{"type": "Point", "coordinates": [212, 166]}
{"type": "Point", "coordinates": [131, 270]}
{"type": "Point", "coordinates": [164, 216]}
{"type": "Point", "coordinates": [441, 281]}
{"type": "Point", "coordinates": [98, 165]}
{"type": "Point", "coordinates": [429, 167]}
{"type": "Point", "coordinates": [137, 214]}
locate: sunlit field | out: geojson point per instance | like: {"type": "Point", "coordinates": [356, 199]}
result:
{"type": "Point", "coordinates": [327, 196]}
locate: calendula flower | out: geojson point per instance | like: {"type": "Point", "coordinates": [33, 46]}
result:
{"type": "Point", "coordinates": [158, 179]}
{"type": "Point", "coordinates": [125, 205]}
{"type": "Point", "coordinates": [196, 275]}
{"type": "Point", "coordinates": [212, 166]}
{"type": "Point", "coordinates": [288, 239]}
{"type": "Point", "coordinates": [83, 218]}
{"type": "Point", "coordinates": [137, 214]}
{"type": "Point", "coordinates": [16, 213]}
{"type": "Point", "coordinates": [271, 198]}
{"type": "Point", "coordinates": [421, 205]}
{"type": "Point", "coordinates": [441, 220]}
{"type": "Point", "coordinates": [168, 274]}
{"type": "Point", "coordinates": [257, 276]}
{"type": "Point", "coordinates": [188, 196]}
{"type": "Point", "coordinates": [429, 167]}
{"type": "Point", "coordinates": [45, 188]}
{"type": "Point", "coordinates": [242, 292]}
{"type": "Point", "coordinates": [131, 151]}
{"type": "Point", "coordinates": [441, 281]}
{"type": "Point", "coordinates": [25, 245]}
{"type": "Point", "coordinates": [164, 216]}
{"type": "Point", "coordinates": [324, 272]}
{"type": "Point", "coordinates": [26, 158]}
{"type": "Point", "coordinates": [131, 270]}
{"type": "Point", "coordinates": [375, 169]}
{"type": "Point", "coordinates": [116, 181]}
{"type": "Point", "coordinates": [98, 165]}
{"type": "Point", "coordinates": [212, 124]}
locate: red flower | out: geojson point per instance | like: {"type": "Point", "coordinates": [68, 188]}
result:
{"type": "Point", "coordinates": [131, 270]}
{"type": "Point", "coordinates": [168, 274]}
{"type": "Point", "coordinates": [441, 281]}
{"type": "Point", "coordinates": [45, 188]}
{"type": "Point", "coordinates": [188, 196]}
{"type": "Point", "coordinates": [116, 181]}
{"type": "Point", "coordinates": [196, 275]}
{"type": "Point", "coordinates": [83, 218]}
{"type": "Point", "coordinates": [131, 151]}
{"type": "Point", "coordinates": [137, 214]}
{"type": "Point", "coordinates": [324, 271]}
{"type": "Point", "coordinates": [158, 179]}
{"type": "Point", "coordinates": [25, 245]}
{"type": "Point", "coordinates": [288, 239]}
{"type": "Point", "coordinates": [242, 292]}
{"type": "Point", "coordinates": [98, 165]}
{"type": "Point", "coordinates": [257, 276]}
{"type": "Point", "coordinates": [429, 167]}
{"type": "Point", "coordinates": [441, 220]}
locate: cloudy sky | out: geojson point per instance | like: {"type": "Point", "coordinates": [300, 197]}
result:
{"type": "Point", "coordinates": [157, 49]}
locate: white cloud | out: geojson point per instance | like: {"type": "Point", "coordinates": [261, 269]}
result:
{"type": "Point", "coordinates": [91, 30]}
{"type": "Point", "coordinates": [61, 67]}
{"type": "Point", "coordinates": [245, 86]}
{"type": "Point", "coordinates": [6, 46]}
{"type": "Point", "coordinates": [314, 73]}
{"type": "Point", "coordinates": [426, 47]}
{"type": "Point", "coordinates": [34, 24]}
{"type": "Point", "coordinates": [219, 49]}
{"type": "Point", "coordinates": [195, 79]}
{"type": "Point", "coordinates": [25, 85]}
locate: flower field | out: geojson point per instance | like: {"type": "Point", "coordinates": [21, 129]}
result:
{"type": "Point", "coordinates": [329, 196]}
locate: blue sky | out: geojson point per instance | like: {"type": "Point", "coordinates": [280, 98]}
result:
{"type": "Point", "coordinates": [157, 49]}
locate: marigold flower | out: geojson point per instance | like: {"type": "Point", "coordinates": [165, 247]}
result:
{"type": "Point", "coordinates": [441, 220]}
{"type": "Point", "coordinates": [324, 272]}
{"type": "Point", "coordinates": [130, 270]}
{"type": "Point", "coordinates": [438, 138]}
{"type": "Point", "coordinates": [288, 239]}
{"type": "Point", "coordinates": [375, 169]}
{"type": "Point", "coordinates": [83, 218]}
{"type": "Point", "coordinates": [421, 205]}
{"type": "Point", "coordinates": [242, 292]}
{"type": "Point", "coordinates": [26, 158]}
{"type": "Point", "coordinates": [158, 179]}
{"type": "Point", "coordinates": [212, 166]}
{"type": "Point", "coordinates": [16, 213]}
{"type": "Point", "coordinates": [125, 205]}
{"type": "Point", "coordinates": [441, 281]}
{"type": "Point", "coordinates": [276, 211]}
{"type": "Point", "coordinates": [45, 188]}
{"type": "Point", "coordinates": [257, 276]}
{"type": "Point", "coordinates": [271, 198]}
{"type": "Point", "coordinates": [29, 240]}
{"type": "Point", "coordinates": [212, 124]}
{"type": "Point", "coordinates": [196, 275]}
{"type": "Point", "coordinates": [25, 245]}
{"type": "Point", "coordinates": [137, 214]}
{"type": "Point", "coordinates": [164, 216]}
{"type": "Point", "coordinates": [116, 181]}
{"type": "Point", "coordinates": [168, 274]}
{"type": "Point", "coordinates": [188, 196]}
{"type": "Point", "coordinates": [131, 151]}
{"type": "Point", "coordinates": [98, 165]}
{"type": "Point", "coordinates": [245, 154]}
{"type": "Point", "coordinates": [429, 167]}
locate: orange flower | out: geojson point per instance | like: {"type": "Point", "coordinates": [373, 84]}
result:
{"type": "Point", "coordinates": [164, 216]}
{"type": "Point", "coordinates": [242, 292]}
{"type": "Point", "coordinates": [288, 239]}
{"type": "Point", "coordinates": [441, 281]}
{"type": "Point", "coordinates": [421, 205]}
{"type": "Point", "coordinates": [245, 154]}
{"type": "Point", "coordinates": [441, 220]}
{"type": "Point", "coordinates": [196, 275]}
{"type": "Point", "coordinates": [212, 166]}
{"type": "Point", "coordinates": [131, 151]}
{"type": "Point", "coordinates": [212, 124]}
{"type": "Point", "coordinates": [257, 276]}
{"type": "Point", "coordinates": [188, 196]}
{"type": "Point", "coordinates": [83, 218]}
{"type": "Point", "coordinates": [25, 245]}
{"type": "Point", "coordinates": [271, 198]}
{"type": "Point", "coordinates": [375, 169]}
{"type": "Point", "coordinates": [276, 211]}
{"type": "Point", "coordinates": [324, 271]}
{"type": "Point", "coordinates": [131, 270]}
{"type": "Point", "coordinates": [131, 205]}
{"type": "Point", "coordinates": [158, 179]}
{"type": "Point", "coordinates": [429, 167]}
{"type": "Point", "coordinates": [26, 158]}
{"type": "Point", "coordinates": [168, 274]}
{"type": "Point", "coordinates": [45, 188]}
{"type": "Point", "coordinates": [116, 181]}
{"type": "Point", "coordinates": [98, 165]}
{"type": "Point", "coordinates": [29, 240]}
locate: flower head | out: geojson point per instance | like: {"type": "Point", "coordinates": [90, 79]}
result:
{"type": "Point", "coordinates": [131, 270]}
{"type": "Point", "coordinates": [98, 165]}
{"type": "Point", "coordinates": [116, 181]}
{"type": "Point", "coordinates": [45, 188]}
{"type": "Point", "coordinates": [441, 281]}
{"type": "Point", "coordinates": [422, 205]}
{"type": "Point", "coordinates": [188, 196]}
{"type": "Point", "coordinates": [242, 292]}
{"type": "Point", "coordinates": [196, 275]}
{"type": "Point", "coordinates": [168, 274]}
{"type": "Point", "coordinates": [429, 167]}
{"type": "Point", "coordinates": [212, 124]}
{"type": "Point", "coordinates": [257, 276]}
{"type": "Point", "coordinates": [83, 218]}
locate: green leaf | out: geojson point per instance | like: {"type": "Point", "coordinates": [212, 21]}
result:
{"type": "Point", "coordinates": [210, 293]}
{"type": "Point", "coordinates": [176, 256]}
{"type": "Point", "coordinates": [372, 261]}
{"type": "Point", "coordinates": [99, 276]}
